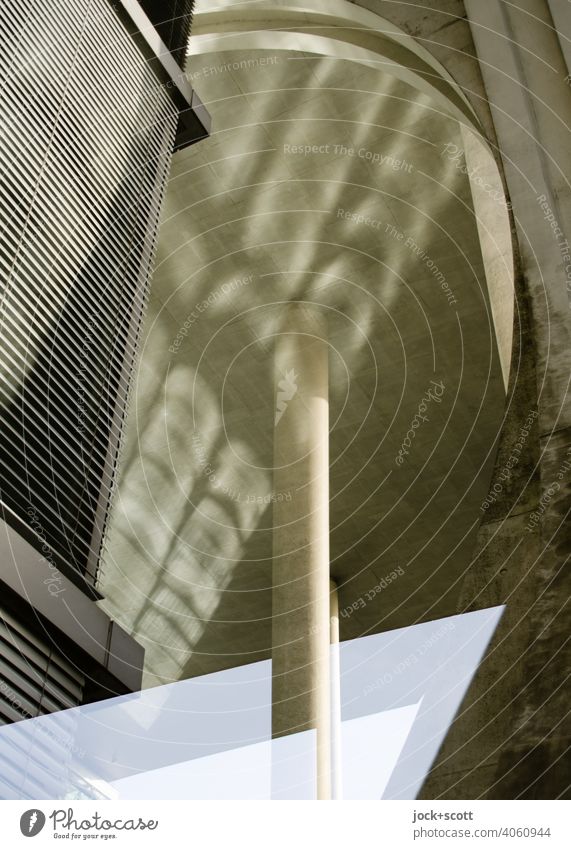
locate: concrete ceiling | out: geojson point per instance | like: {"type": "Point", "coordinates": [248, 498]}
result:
{"type": "Point", "coordinates": [251, 224]}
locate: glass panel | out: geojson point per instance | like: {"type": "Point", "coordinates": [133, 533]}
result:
{"type": "Point", "coordinates": [210, 737]}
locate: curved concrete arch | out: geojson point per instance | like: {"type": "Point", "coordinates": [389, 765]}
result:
{"type": "Point", "coordinates": [336, 29]}
{"type": "Point", "coordinates": [340, 30]}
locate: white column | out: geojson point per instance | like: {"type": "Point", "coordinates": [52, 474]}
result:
{"type": "Point", "coordinates": [336, 764]}
{"type": "Point", "coordinates": [300, 616]}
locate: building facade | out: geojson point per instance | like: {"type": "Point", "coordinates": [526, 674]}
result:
{"type": "Point", "coordinates": [93, 101]}
{"type": "Point", "coordinates": [403, 168]}
{"type": "Point", "coordinates": [332, 177]}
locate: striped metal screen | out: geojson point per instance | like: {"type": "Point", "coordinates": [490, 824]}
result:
{"type": "Point", "coordinates": [86, 133]}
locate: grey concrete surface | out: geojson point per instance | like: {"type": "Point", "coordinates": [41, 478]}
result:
{"type": "Point", "coordinates": [189, 556]}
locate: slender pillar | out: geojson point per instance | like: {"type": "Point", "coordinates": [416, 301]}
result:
{"type": "Point", "coordinates": [300, 616]}
{"type": "Point", "coordinates": [336, 767]}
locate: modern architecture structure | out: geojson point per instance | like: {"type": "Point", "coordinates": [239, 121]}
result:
{"type": "Point", "coordinates": [93, 101]}
{"type": "Point", "coordinates": [346, 460]}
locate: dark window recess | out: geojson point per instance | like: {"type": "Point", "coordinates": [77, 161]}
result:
{"type": "Point", "coordinates": [42, 672]}
{"type": "Point", "coordinates": [173, 21]}
{"type": "Point", "coordinates": [35, 677]}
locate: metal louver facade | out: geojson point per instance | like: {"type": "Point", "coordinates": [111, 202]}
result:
{"type": "Point", "coordinates": [90, 103]}
{"type": "Point", "coordinates": [87, 132]}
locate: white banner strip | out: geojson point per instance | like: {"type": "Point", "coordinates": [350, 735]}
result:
{"type": "Point", "coordinates": [283, 825]}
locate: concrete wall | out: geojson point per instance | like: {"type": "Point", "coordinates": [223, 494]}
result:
{"type": "Point", "coordinates": [511, 737]}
